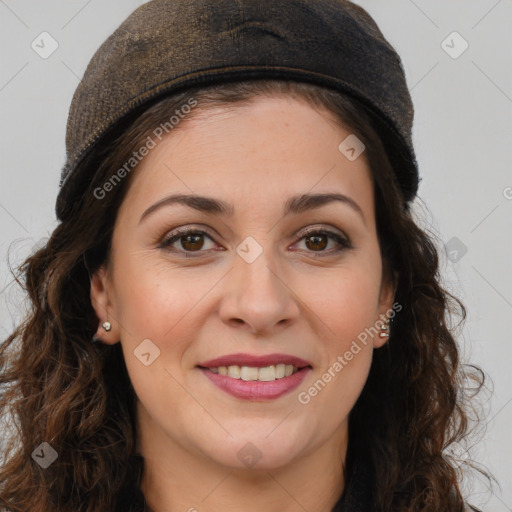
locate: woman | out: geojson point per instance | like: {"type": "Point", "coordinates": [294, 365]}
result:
{"type": "Point", "coordinates": [303, 359]}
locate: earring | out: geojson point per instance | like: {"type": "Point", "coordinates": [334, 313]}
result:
{"type": "Point", "coordinates": [385, 329]}
{"type": "Point", "coordinates": [106, 325]}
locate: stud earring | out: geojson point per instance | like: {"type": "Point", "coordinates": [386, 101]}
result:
{"type": "Point", "coordinates": [385, 329]}
{"type": "Point", "coordinates": [106, 325]}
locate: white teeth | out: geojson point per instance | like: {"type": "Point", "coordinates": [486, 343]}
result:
{"type": "Point", "coordinates": [248, 373]}
{"type": "Point", "coordinates": [267, 373]}
{"type": "Point", "coordinates": [280, 371]}
{"type": "Point", "coordinates": [234, 372]}
{"type": "Point", "coordinates": [264, 374]}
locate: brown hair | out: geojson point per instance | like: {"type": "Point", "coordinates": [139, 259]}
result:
{"type": "Point", "coordinates": [60, 388]}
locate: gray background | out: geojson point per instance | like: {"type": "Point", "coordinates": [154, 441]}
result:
{"type": "Point", "coordinates": [462, 135]}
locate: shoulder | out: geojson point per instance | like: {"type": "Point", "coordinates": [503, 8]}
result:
{"type": "Point", "coordinates": [471, 508]}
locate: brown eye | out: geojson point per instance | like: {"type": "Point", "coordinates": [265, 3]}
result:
{"type": "Point", "coordinates": [318, 240]}
{"type": "Point", "coordinates": [190, 240]}
{"type": "Point", "coordinates": [193, 241]}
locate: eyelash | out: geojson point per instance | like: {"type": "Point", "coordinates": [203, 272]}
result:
{"type": "Point", "coordinates": [174, 236]}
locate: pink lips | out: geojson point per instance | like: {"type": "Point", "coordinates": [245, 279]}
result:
{"type": "Point", "coordinates": [256, 361]}
{"type": "Point", "coordinates": [256, 390]}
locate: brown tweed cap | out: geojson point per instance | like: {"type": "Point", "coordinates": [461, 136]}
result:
{"type": "Point", "coordinates": [167, 45]}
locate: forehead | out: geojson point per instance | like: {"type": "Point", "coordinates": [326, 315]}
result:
{"type": "Point", "coordinates": [253, 154]}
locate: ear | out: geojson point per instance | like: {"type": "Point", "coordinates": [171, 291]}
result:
{"type": "Point", "coordinates": [386, 310]}
{"type": "Point", "coordinates": [103, 307]}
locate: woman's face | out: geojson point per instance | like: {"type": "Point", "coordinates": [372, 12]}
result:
{"type": "Point", "coordinates": [254, 285]}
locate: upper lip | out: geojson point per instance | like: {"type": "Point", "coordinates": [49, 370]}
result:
{"type": "Point", "coordinates": [255, 361]}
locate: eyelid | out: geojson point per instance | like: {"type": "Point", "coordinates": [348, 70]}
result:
{"type": "Point", "coordinates": [322, 227]}
{"type": "Point", "coordinates": [344, 242]}
{"type": "Point", "coordinates": [182, 231]}
{"type": "Point", "coordinates": [185, 230]}
{"type": "Point", "coordinates": [334, 233]}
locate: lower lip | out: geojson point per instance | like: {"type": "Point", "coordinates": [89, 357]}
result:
{"type": "Point", "coordinates": [255, 389]}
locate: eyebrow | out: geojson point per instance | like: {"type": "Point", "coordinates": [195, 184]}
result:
{"type": "Point", "coordinates": [294, 205]}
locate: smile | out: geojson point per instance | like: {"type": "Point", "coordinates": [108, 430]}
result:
{"type": "Point", "coordinates": [256, 383]}
{"type": "Point", "coordinates": [252, 373]}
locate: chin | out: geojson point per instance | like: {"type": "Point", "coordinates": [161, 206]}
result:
{"type": "Point", "coordinates": [258, 451]}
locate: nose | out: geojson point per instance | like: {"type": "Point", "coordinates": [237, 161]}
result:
{"type": "Point", "coordinates": [258, 297]}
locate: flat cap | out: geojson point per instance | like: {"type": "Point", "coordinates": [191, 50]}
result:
{"type": "Point", "coordinates": [168, 45]}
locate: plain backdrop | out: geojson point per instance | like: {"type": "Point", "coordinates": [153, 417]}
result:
{"type": "Point", "coordinates": [457, 57]}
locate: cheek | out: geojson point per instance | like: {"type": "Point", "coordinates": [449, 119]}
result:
{"type": "Point", "coordinates": [163, 303]}
{"type": "Point", "coordinates": [345, 338]}
{"type": "Point", "coordinates": [346, 300]}
{"type": "Point", "coordinates": [347, 308]}
{"type": "Point", "coordinates": [157, 304]}
{"type": "Point", "coordinates": [150, 297]}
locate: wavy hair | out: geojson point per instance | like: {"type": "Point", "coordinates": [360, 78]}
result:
{"type": "Point", "coordinates": [58, 387]}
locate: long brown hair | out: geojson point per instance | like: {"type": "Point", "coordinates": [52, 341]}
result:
{"type": "Point", "coordinates": [58, 387]}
